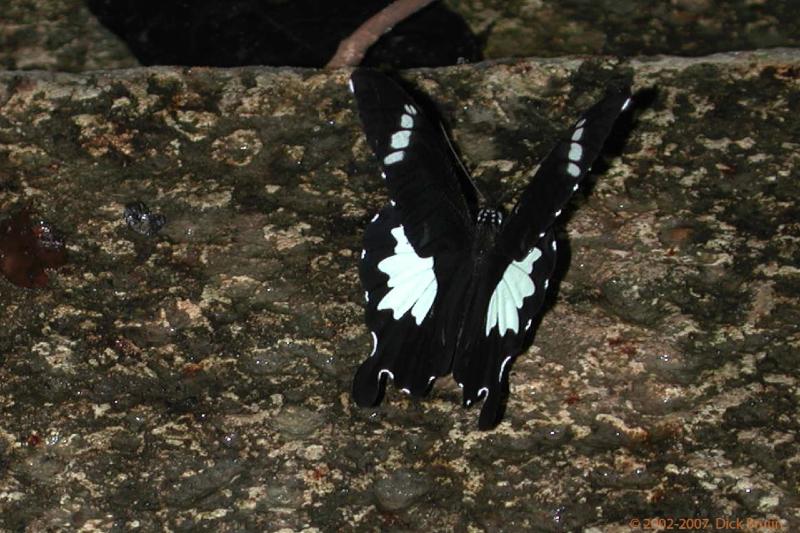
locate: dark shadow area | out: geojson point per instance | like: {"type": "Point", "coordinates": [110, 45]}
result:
{"type": "Point", "coordinates": [299, 33]}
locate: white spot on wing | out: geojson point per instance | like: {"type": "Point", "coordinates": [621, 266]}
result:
{"type": "Point", "coordinates": [406, 121]}
{"type": "Point", "coordinates": [572, 169]}
{"type": "Point", "coordinates": [483, 392]}
{"type": "Point", "coordinates": [394, 157]}
{"type": "Point", "coordinates": [431, 379]}
{"type": "Point", "coordinates": [374, 344]}
{"type": "Point", "coordinates": [363, 254]}
{"type": "Point", "coordinates": [410, 109]}
{"type": "Point", "coordinates": [575, 152]}
{"type": "Point", "coordinates": [350, 84]}
{"type": "Point", "coordinates": [374, 218]}
{"type": "Point", "coordinates": [626, 104]}
{"type": "Point", "coordinates": [511, 290]}
{"type": "Point", "coordinates": [405, 390]}
{"type": "Point", "coordinates": [506, 360]}
{"type": "Point", "coordinates": [558, 213]}
{"type": "Point", "coordinates": [383, 174]}
{"type": "Point", "coordinates": [411, 279]}
{"type": "Point", "coordinates": [577, 134]}
{"type": "Point", "coordinates": [400, 139]}
{"type": "Point", "coordinates": [575, 187]}
{"type": "Point", "coordinates": [366, 296]}
{"type": "Point", "coordinates": [385, 371]}
{"type": "Point", "coordinates": [580, 123]}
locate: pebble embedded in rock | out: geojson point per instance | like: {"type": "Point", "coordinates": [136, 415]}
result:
{"type": "Point", "coordinates": [140, 219]}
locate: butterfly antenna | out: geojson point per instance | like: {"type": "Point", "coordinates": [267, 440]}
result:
{"type": "Point", "coordinates": [478, 195]}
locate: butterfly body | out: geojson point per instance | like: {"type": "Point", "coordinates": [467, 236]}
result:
{"type": "Point", "coordinates": [452, 287]}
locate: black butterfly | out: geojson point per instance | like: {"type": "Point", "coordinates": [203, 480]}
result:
{"type": "Point", "coordinates": [451, 286]}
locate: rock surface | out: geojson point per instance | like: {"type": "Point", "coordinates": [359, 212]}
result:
{"type": "Point", "coordinates": [62, 35]}
{"type": "Point", "coordinates": [198, 378]}
{"type": "Point", "coordinates": [57, 35]}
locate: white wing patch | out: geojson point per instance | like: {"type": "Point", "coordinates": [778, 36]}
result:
{"type": "Point", "coordinates": [401, 138]}
{"type": "Point", "coordinates": [575, 152]}
{"type": "Point", "coordinates": [394, 157]}
{"type": "Point", "coordinates": [572, 169]}
{"type": "Point", "coordinates": [511, 290]}
{"type": "Point", "coordinates": [411, 278]}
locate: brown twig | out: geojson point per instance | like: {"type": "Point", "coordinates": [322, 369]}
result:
{"type": "Point", "coordinates": [352, 49]}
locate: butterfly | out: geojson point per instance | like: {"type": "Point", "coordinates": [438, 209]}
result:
{"type": "Point", "coordinates": [452, 286]}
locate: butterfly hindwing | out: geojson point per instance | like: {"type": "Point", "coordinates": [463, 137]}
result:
{"type": "Point", "coordinates": [417, 163]}
{"type": "Point", "coordinates": [559, 175]}
{"type": "Point", "coordinates": [404, 298]}
{"type": "Point", "coordinates": [502, 323]}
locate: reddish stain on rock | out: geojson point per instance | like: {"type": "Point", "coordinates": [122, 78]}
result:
{"type": "Point", "coordinates": [27, 248]}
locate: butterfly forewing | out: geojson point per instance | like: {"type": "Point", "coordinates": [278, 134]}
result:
{"type": "Point", "coordinates": [559, 175]}
{"type": "Point", "coordinates": [417, 163]}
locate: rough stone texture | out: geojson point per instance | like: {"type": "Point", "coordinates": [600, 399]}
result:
{"type": "Point", "coordinates": [198, 379]}
{"type": "Point", "coordinates": [59, 35]}
{"type": "Point", "coordinates": [62, 35]}
{"type": "Point", "coordinates": [547, 28]}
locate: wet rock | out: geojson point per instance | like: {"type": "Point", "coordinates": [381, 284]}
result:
{"type": "Point", "coordinates": [401, 489]}
{"type": "Point", "coordinates": [140, 219]}
{"type": "Point", "coordinates": [632, 302]}
{"type": "Point", "coordinates": [203, 484]}
{"type": "Point", "coordinates": [27, 248]}
{"type": "Point", "coordinates": [295, 421]}
{"type": "Point", "coordinates": [657, 397]}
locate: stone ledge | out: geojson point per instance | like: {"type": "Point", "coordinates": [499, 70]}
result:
{"type": "Point", "coordinates": [199, 378]}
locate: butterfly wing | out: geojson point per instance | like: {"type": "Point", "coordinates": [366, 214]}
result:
{"type": "Point", "coordinates": [420, 169]}
{"type": "Point", "coordinates": [405, 311]}
{"type": "Point", "coordinates": [518, 272]}
{"type": "Point", "coordinates": [559, 175]}
{"type": "Point", "coordinates": [501, 322]}
{"type": "Point", "coordinates": [414, 247]}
